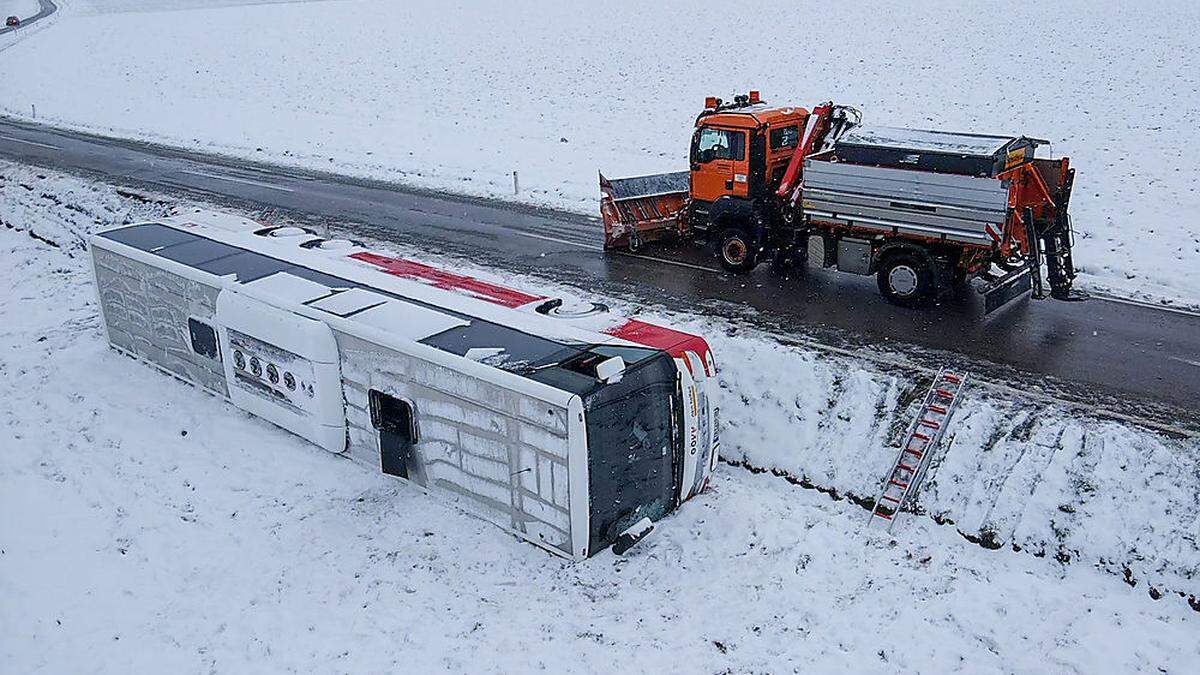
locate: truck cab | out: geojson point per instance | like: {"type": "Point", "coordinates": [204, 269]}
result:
{"type": "Point", "coordinates": [740, 150]}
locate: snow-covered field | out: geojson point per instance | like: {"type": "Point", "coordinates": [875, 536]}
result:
{"type": "Point", "coordinates": [18, 8]}
{"type": "Point", "coordinates": [457, 95]}
{"type": "Point", "coordinates": [24, 10]}
{"type": "Point", "coordinates": [146, 526]}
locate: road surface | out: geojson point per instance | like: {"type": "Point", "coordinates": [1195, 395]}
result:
{"type": "Point", "coordinates": [1129, 358]}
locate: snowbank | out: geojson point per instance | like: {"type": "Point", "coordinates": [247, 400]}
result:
{"type": "Point", "coordinates": [148, 526]}
{"type": "Point", "coordinates": [458, 95]}
{"type": "Point", "coordinates": [1029, 476]}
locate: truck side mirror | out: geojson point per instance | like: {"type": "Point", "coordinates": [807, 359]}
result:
{"type": "Point", "coordinates": [611, 370]}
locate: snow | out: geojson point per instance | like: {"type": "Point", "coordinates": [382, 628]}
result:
{"type": "Point", "coordinates": [458, 95]}
{"type": "Point", "coordinates": [289, 288]}
{"type": "Point", "coordinates": [147, 526]}
{"type": "Point", "coordinates": [19, 8]}
{"type": "Point", "coordinates": [1044, 480]}
{"type": "Point", "coordinates": [407, 320]}
{"type": "Point", "coordinates": [927, 140]}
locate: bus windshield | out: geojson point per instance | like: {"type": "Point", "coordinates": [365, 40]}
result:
{"type": "Point", "coordinates": [635, 448]}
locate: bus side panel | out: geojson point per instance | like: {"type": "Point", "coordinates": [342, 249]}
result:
{"type": "Point", "coordinates": [146, 312]}
{"type": "Point", "coordinates": [503, 453]}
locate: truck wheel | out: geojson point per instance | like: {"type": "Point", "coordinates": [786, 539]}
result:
{"type": "Point", "coordinates": [782, 262]}
{"type": "Point", "coordinates": [906, 280]}
{"type": "Point", "coordinates": [789, 258]}
{"type": "Point", "coordinates": [737, 255]}
{"type": "Point", "coordinates": [959, 279]}
{"type": "Point", "coordinates": [635, 240]}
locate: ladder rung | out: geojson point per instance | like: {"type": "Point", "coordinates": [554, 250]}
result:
{"type": "Point", "coordinates": [940, 400]}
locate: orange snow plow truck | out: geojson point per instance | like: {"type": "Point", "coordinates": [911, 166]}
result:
{"type": "Point", "coordinates": [921, 210]}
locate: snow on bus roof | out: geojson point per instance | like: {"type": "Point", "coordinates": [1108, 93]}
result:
{"type": "Point", "coordinates": [926, 140]}
{"type": "Point", "coordinates": [194, 247]}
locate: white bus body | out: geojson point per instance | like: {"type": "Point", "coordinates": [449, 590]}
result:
{"type": "Point", "coordinates": [562, 424]}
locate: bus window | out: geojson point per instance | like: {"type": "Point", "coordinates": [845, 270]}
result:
{"type": "Point", "coordinates": [397, 427]}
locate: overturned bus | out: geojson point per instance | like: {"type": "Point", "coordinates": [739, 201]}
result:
{"type": "Point", "coordinates": [558, 421]}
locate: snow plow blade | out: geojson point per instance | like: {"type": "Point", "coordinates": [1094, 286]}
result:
{"type": "Point", "coordinates": [642, 208]}
{"type": "Point", "coordinates": [1006, 289]}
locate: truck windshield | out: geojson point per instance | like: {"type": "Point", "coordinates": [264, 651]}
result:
{"type": "Point", "coordinates": [634, 449]}
{"type": "Point", "coordinates": [712, 143]}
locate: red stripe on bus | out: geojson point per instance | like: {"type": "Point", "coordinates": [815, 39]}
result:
{"type": "Point", "coordinates": [672, 341]}
{"type": "Point", "coordinates": [669, 340]}
{"type": "Point", "coordinates": [493, 293]}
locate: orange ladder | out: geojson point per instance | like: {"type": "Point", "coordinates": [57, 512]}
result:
{"type": "Point", "coordinates": [922, 439]}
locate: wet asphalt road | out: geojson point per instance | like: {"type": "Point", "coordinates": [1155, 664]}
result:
{"type": "Point", "coordinates": [1099, 351]}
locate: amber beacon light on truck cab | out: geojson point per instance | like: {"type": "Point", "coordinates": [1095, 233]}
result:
{"type": "Point", "coordinates": [921, 210]}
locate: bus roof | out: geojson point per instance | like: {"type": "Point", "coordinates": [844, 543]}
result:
{"type": "Point", "coordinates": [498, 326]}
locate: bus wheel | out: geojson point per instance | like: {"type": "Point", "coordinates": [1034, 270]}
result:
{"type": "Point", "coordinates": [905, 279]}
{"type": "Point", "coordinates": [737, 255]}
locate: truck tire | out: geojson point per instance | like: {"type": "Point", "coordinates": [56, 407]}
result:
{"type": "Point", "coordinates": [790, 258]}
{"type": "Point", "coordinates": [906, 279]}
{"type": "Point", "coordinates": [635, 240]}
{"type": "Point", "coordinates": [782, 262]}
{"type": "Point", "coordinates": [736, 252]}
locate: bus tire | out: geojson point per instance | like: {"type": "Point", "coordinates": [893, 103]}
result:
{"type": "Point", "coordinates": [736, 252]}
{"type": "Point", "coordinates": [906, 279]}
